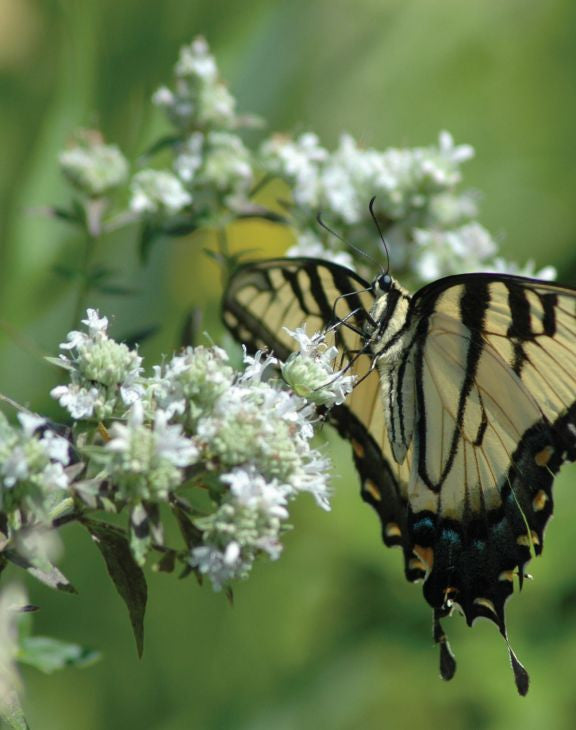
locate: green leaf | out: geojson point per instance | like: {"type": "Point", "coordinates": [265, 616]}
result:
{"type": "Point", "coordinates": [148, 236]}
{"type": "Point", "coordinates": [169, 141]}
{"type": "Point", "coordinates": [180, 227]}
{"type": "Point", "coordinates": [99, 275]}
{"type": "Point", "coordinates": [67, 272]}
{"type": "Point", "coordinates": [49, 655]}
{"type": "Point", "coordinates": [191, 535]}
{"type": "Point", "coordinates": [126, 574]}
{"type": "Point", "coordinates": [117, 290]}
{"type": "Point", "coordinates": [192, 327]}
{"type": "Point", "coordinates": [75, 214]}
{"type": "Point", "coordinates": [59, 363]}
{"type": "Point", "coordinates": [135, 338]}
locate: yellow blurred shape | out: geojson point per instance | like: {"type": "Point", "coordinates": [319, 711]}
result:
{"type": "Point", "coordinates": [19, 29]}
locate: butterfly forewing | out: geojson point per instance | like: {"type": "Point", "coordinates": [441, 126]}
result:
{"type": "Point", "coordinates": [263, 298]}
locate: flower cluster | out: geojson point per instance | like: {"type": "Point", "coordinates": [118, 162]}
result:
{"type": "Point", "coordinates": [158, 191]}
{"type": "Point", "coordinates": [429, 224]}
{"type": "Point", "coordinates": [242, 437]}
{"type": "Point", "coordinates": [212, 167]}
{"type": "Point", "coordinates": [93, 167]}
{"type": "Point", "coordinates": [200, 99]}
{"type": "Point", "coordinates": [33, 460]}
{"type": "Point", "coordinates": [145, 460]}
{"type": "Point", "coordinates": [104, 374]}
{"type": "Point", "coordinates": [216, 166]}
{"type": "Point", "coordinates": [312, 364]}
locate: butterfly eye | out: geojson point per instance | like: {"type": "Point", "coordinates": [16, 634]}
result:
{"type": "Point", "coordinates": [384, 283]}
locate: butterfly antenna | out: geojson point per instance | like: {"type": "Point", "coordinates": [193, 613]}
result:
{"type": "Point", "coordinates": [320, 222]}
{"type": "Point", "coordinates": [346, 243]}
{"type": "Point", "coordinates": [377, 224]}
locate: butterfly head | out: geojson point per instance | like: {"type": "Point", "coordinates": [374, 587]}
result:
{"type": "Point", "coordinates": [382, 284]}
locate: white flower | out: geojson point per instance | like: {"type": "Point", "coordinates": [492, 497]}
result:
{"type": "Point", "coordinates": [256, 365]}
{"type": "Point", "coordinates": [92, 166]}
{"type": "Point", "coordinates": [298, 161]}
{"type": "Point", "coordinates": [227, 162]}
{"type": "Point", "coordinates": [444, 252]}
{"type": "Point", "coordinates": [15, 467]}
{"type": "Point", "coordinates": [313, 478]}
{"type": "Point", "coordinates": [163, 97]}
{"type": "Point", "coordinates": [96, 325]}
{"type": "Point", "coordinates": [195, 60]}
{"type": "Point", "coordinates": [310, 371]}
{"type": "Point", "coordinates": [500, 265]}
{"type": "Point", "coordinates": [189, 158]}
{"type": "Point", "coordinates": [155, 191]}
{"type": "Point", "coordinates": [216, 564]}
{"type": "Point", "coordinates": [79, 401]}
{"type": "Point", "coordinates": [251, 490]}
{"type": "Point", "coordinates": [171, 444]}
{"type": "Point", "coordinates": [54, 477]}
{"type": "Point", "coordinates": [457, 154]}
{"type": "Point", "coordinates": [216, 106]}
{"type": "Point", "coordinates": [145, 461]}
{"type": "Point", "coordinates": [56, 447]}
{"type": "Point", "coordinates": [30, 422]}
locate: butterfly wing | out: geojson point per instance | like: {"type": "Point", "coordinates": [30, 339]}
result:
{"type": "Point", "coordinates": [264, 297]}
{"type": "Point", "coordinates": [495, 381]}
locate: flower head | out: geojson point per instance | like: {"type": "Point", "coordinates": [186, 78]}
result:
{"type": "Point", "coordinates": [158, 191]}
{"type": "Point", "coordinates": [92, 166]}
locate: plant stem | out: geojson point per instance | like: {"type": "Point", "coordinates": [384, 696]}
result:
{"type": "Point", "coordinates": [93, 211]}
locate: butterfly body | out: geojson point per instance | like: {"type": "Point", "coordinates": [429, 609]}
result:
{"type": "Point", "coordinates": [465, 409]}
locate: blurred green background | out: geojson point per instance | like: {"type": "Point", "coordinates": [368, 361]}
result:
{"type": "Point", "coordinates": [331, 636]}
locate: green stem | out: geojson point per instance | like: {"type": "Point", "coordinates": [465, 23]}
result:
{"type": "Point", "coordinates": [93, 212]}
{"type": "Point", "coordinates": [84, 288]}
{"type": "Point", "coordinates": [223, 242]}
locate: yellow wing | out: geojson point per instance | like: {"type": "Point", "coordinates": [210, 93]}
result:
{"type": "Point", "coordinates": [495, 381]}
{"type": "Point", "coordinates": [264, 297]}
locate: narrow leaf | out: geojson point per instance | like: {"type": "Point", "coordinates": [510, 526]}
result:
{"type": "Point", "coordinates": [126, 574]}
{"type": "Point", "coordinates": [148, 235]}
{"type": "Point", "coordinates": [49, 655]}
{"type": "Point", "coordinates": [135, 338]}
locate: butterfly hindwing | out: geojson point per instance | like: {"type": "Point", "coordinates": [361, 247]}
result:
{"type": "Point", "coordinates": [495, 377]}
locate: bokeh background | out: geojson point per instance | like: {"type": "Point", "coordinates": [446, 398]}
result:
{"type": "Point", "coordinates": [331, 636]}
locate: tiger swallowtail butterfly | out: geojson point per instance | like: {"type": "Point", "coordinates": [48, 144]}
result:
{"type": "Point", "coordinates": [463, 413]}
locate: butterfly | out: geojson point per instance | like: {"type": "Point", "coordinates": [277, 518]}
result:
{"type": "Point", "coordinates": [463, 411]}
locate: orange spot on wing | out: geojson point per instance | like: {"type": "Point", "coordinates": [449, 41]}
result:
{"type": "Point", "coordinates": [544, 456]}
{"type": "Point", "coordinates": [426, 555]}
{"type": "Point", "coordinates": [539, 501]}
{"type": "Point", "coordinates": [358, 449]}
{"type": "Point", "coordinates": [372, 490]}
